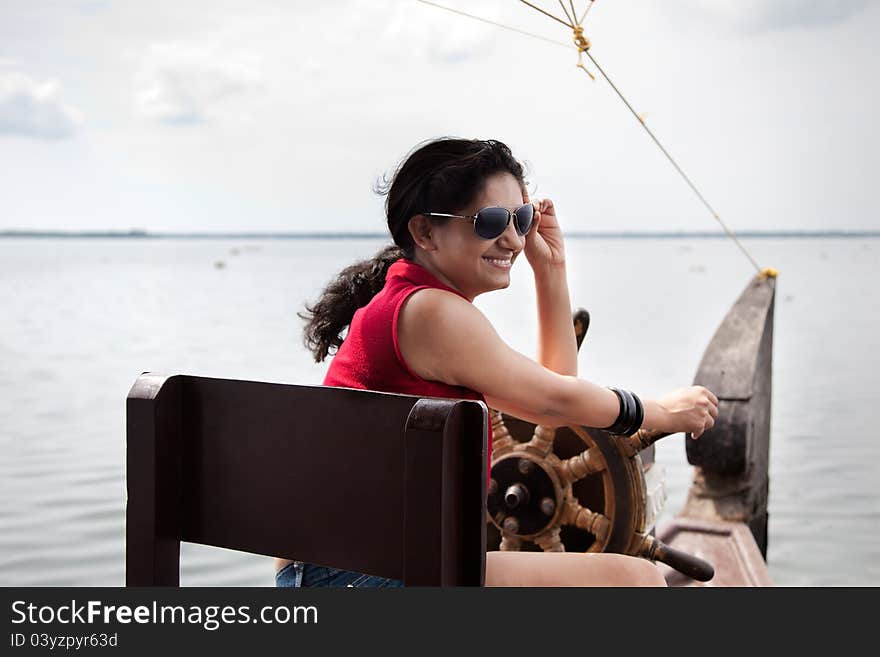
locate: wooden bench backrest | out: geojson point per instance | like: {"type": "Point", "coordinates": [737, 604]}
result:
{"type": "Point", "coordinates": [387, 484]}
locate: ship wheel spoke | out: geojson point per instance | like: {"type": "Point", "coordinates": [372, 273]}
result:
{"type": "Point", "coordinates": [581, 517]}
{"type": "Point", "coordinates": [502, 441]}
{"type": "Point", "coordinates": [542, 440]}
{"type": "Point", "coordinates": [644, 438]}
{"type": "Point", "coordinates": [581, 465]}
{"type": "Point", "coordinates": [510, 542]}
{"type": "Point", "coordinates": [550, 541]}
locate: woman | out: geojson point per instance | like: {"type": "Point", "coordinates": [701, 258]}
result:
{"type": "Point", "coordinates": [460, 216]}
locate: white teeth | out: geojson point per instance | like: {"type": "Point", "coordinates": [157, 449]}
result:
{"type": "Point", "coordinates": [498, 262]}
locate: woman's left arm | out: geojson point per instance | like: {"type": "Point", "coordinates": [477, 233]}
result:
{"type": "Point", "coordinates": [557, 345]}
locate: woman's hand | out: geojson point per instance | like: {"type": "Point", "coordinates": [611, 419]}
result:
{"type": "Point", "coordinates": [544, 241]}
{"type": "Point", "coordinates": [692, 410]}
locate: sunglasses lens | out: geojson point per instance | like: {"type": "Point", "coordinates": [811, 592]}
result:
{"type": "Point", "coordinates": [523, 218]}
{"type": "Point", "coordinates": [491, 222]}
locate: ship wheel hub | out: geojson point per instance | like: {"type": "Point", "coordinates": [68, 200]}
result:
{"type": "Point", "coordinates": [524, 495]}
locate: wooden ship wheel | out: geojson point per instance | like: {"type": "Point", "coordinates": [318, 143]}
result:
{"type": "Point", "coordinates": [574, 488]}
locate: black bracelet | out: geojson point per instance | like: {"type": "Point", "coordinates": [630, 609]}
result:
{"type": "Point", "coordinates": [640, 414]}
{"type": "Point", "coordinates": [620, 415]}
{"type": "Point", "coordinates": [637, 416]}
{"type": "Point", "coordinates": [631, 414]}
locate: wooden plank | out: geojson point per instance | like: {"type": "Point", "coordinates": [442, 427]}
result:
{"type": "Point", "coordinates": [728, 546]}
{"type": "Point", "coordinates": [152, 537]}
{"type": "Point", "coordinates": [445, 508]}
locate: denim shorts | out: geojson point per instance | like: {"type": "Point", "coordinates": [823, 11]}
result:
{"type": "Point", "coordinates": [303, 573]}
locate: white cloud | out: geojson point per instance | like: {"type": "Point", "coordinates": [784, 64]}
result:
{"type": "Point", "coordinates": [764, 15]}
{"type": "Point", "coordinates": [409, 31]}
{"type": "Point", "coordinates": [33, 109]}
{"type": "Point", "coordinates": [434, 35]}
{"type": "Point", "coordinates": [180, 83]}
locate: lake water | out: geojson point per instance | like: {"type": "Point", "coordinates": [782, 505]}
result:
{"type": "Point", "coordinates": [82, 318]}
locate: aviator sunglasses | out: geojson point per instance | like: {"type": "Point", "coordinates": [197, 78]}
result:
{"type": "Point", "coordinates": [489, 223]}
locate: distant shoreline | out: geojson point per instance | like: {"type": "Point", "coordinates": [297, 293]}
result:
{"type": "Point", "coordinates": [141, 234]}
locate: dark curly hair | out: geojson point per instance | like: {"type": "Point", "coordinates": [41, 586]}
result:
{"type": "Point", "coordinates": [440, 175]}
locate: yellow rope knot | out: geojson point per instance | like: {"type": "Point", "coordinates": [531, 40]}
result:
{"type": "Point", "coordinates": [768, 272]}
{"type": "Point", "coordinates": [583, 45]}
{"type": "Point", "coordinates": [582, 42]}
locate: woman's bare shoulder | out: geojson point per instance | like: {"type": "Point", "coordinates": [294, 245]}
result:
{"type": "Point", "coordinates": [430, 323]}
{"type": "Point", "coordinates": [432, 301]}
{"type": "Point", "coordinates": [440, 315]}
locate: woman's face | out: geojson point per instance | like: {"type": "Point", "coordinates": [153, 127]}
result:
{"type": "Point", "coordinates": [472, 264]}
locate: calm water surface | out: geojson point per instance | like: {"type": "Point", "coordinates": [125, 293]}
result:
{"type": "Point", "coordinates": [82, 318]}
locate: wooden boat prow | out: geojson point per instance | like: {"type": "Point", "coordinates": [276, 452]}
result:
{"type": "Point", "coordinates": [724, 520]}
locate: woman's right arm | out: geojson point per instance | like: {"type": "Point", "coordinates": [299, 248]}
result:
{"type": "Point", "coordinates": [445, 338]}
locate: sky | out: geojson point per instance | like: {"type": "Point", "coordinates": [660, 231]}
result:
{"type": "Point", "coordinates": [281, 116]}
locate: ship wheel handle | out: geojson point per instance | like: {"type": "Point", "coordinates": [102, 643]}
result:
{"type": "Point", "coordinates": [687, 564]}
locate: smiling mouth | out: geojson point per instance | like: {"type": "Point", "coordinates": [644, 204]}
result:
{"type": "Point", "coordinates": [500, 263]}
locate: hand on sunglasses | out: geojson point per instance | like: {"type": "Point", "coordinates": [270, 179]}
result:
{"type": "Point", "coordinates": [544, 243]}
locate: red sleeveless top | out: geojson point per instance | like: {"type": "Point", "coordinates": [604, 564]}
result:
{"type": "Point", "coordinates": [370, 357]}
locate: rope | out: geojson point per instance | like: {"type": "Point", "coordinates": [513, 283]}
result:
{"type": "Point", "coordinates": [565, 9]}
{"type": "Point", "coordinates": [583, 45]}
{"type": "Point", "coordinates": [501, 25]}
{"type": "Point", "coordinates": [586, 11]}
{"type": "Point", "coordinates": [547, 13]}
{"type": "Point", "coordinates": [675, 164]}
